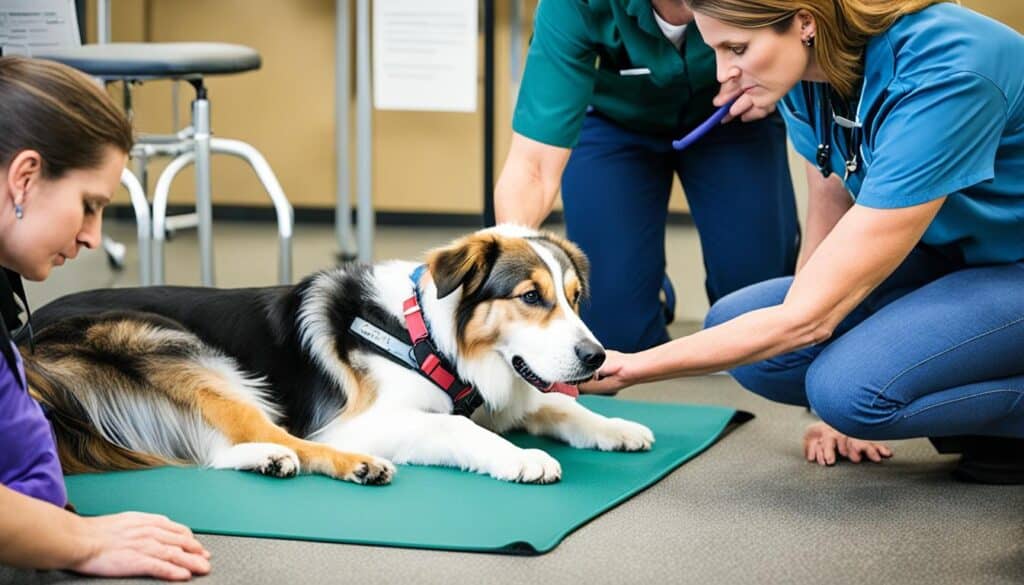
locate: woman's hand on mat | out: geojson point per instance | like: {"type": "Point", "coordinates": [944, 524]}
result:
{"type": "Point", "coordinates": [823, 444]}
{"type": "Point", "coordinates": [614, 374]}
{"type": "Point", "coordinates": [133, 544]}
{"type": "Point", "coordinates": [744, 107]}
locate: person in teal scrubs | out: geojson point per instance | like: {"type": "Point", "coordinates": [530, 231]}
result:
{"type": "Point", "coordinates": [907, 317]}
{"type": "Point", "coordinates": [608, 85]}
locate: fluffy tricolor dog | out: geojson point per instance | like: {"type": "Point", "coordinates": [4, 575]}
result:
{"type": "Point", "coordinates": [275, 380]}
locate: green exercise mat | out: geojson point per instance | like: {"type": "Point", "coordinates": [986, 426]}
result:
{"type": "Point", "coordinates": [424, 507]}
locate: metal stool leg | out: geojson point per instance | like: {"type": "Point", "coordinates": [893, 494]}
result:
{"type": "Point", "coordinates": [204, 203]}
{"type": "Point", "coordinates": [142, 222]}
{"type": "Point", "coordinates": [285, 220]}
{"type": "Point", "coordinates": [160, 194]}
{"type": "Point", "coordinates": [115, 252]}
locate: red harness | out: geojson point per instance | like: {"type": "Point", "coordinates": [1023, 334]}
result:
{"type": "Point", "coordinates": [465, 398]}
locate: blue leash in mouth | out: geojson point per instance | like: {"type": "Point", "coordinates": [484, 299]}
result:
{"type": "Point", "coordinates": [705, 127]}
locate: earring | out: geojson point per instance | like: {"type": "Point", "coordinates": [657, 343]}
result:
{"type": "Point", "coordinates": [19, 212]}
{"type": "Point", "coordinates": [809, 41]}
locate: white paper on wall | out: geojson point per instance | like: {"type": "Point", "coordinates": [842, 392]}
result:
{"type": "Point", "coordinates": [425, 55]}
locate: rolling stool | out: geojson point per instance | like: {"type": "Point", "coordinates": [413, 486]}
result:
{"type": "Point", "coordinates": [189, 62]}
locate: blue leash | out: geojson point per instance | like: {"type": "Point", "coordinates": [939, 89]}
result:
{"type": "Point", "coordinates": [705, 127]}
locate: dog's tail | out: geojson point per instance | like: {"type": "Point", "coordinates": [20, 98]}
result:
{"type": "Point", "coordinates": [82, 448]}
{"type": "Point", "coordinates": [110, 385]}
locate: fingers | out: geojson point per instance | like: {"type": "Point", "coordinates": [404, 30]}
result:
{"type": "Point", "coordinates": [821, 443]}
{"type": "Point", "coordinates": [135, 544]}
{"type": "Point", "coordinates": [727, 92]}
{"type": "Point", "coordinates": [159, 569]}
{"type": "Point", "coordinates": [855, 451]}
{"type": "Point", "coordinates": [843, 444]}
{"type": "Point", "coordinates": [829, 447]}
{"type": "Point", "coordinates": [809, 447]}
{"type": "Point", "coordinates": [603, 386]}
{"type": "Point", "coordinates": [877, 451]}
{"type": "Point", "coordinates": [193, 563]}
{"type": "Point", "coordinates": [164, 530]}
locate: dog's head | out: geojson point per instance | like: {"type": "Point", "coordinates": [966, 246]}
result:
{"type": "Point", "coordinates": [516, 293]}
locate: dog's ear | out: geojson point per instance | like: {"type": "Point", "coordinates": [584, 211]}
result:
{"type": "Point", "coordinates": [466, 263]}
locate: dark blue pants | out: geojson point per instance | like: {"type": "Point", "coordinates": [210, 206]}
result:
{"type": "Point", "coordinates": [936, 350]}
{"type": "Point", "coordinates": [615, 192]}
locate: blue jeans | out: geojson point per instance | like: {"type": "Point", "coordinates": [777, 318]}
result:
{"type": "Point", "coordinates": [615, 192]}
{"type": "Point", "coordinates": [936, 350]}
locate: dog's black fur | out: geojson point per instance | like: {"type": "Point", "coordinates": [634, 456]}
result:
{"type": "Point", "coordinates": [258, 327]}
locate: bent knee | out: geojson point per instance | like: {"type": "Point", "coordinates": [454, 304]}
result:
{"type": "Point", "coordinates": [850, 405]}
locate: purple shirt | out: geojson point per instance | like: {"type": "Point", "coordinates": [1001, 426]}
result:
{"type": "Point", "coordinates": [28, 453]}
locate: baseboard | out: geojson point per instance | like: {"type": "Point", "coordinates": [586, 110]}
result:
{"type": "Point", "coordinates": [324, 215]}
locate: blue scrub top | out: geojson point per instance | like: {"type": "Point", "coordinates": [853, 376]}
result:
{"type": "Point", "coordinates": [942, 109]}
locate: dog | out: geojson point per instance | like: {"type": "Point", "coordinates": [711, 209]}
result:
{"type": "Point", "coordinates": [279, 380]}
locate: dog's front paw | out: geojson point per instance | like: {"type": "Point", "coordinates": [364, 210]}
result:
{"type": "Point", "coordinates": [529, 466]}
{"type": "Point", "coordinates": [372, 471]}
{"type": "Point", "coordinates": [618, 434]}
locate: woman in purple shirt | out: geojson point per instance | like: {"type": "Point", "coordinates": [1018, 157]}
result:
{"type": "Point", "coordinates": [63, 145]}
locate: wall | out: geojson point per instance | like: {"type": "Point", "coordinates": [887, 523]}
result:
{"type": "Point", "coordinates": [423, 161]}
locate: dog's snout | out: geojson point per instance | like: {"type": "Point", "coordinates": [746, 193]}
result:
{"type": "Point", "coordinates": [590, 354]}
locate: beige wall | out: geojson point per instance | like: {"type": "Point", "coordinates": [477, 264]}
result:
{"type": "Point", "coordinates": [422, 161]}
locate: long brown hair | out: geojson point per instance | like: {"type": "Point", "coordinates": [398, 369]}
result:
{"type": "Point", "coordinates": [60, 113]}
{"type": "Point", "coordinates": [844, 27]}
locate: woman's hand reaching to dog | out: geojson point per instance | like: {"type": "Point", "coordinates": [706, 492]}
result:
{"type": "Point", "coordinates": [614, 374]}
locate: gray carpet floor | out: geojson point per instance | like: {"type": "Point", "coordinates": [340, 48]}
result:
{"type": "Point", "coordinates": [748, 510]}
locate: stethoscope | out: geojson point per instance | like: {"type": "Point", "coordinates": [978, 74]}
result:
{"type": "Point", "coordinates": [821, 95]}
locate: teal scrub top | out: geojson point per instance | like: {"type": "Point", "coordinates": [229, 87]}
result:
{"type": "Point", "coordinates": [942, 113]}
{"type": "Point", "coordinates": [610, 54]}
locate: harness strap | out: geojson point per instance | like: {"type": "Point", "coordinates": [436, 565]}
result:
{"type": "Point", "coordinates": [422, 355]}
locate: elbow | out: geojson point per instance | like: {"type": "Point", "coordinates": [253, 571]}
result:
{"type": "Point", "coordinates": [806, 329]}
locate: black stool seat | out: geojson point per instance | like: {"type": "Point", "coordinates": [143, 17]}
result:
{"type": "Point", "coordinates": [141, 60]}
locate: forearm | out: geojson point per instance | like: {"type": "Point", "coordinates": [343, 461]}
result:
{"type": "Point", "coordinates": [522, 197]}
{"type": "Point", "coordinates": [38, 535]}
{"type": "Point", "coordinates": [749, 338]}
{"type": "Point", "coordinates": [827, 202]}
{"type": "Point", "coordinates": [529, 181]}
{"type": "Point", "coordinates": [860, 252]}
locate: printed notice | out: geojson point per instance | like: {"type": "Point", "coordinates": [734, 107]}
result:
{"type": "Point", "coordinates": [425, 55]}
{"type": "Point", "coordinates": [29, 26]}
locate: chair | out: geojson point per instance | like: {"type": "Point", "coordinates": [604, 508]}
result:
{"type": "Point", "coordinates": [191, 63]}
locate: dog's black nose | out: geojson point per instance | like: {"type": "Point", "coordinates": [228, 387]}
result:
{"type": "Point", "coordinates": [590, 354]}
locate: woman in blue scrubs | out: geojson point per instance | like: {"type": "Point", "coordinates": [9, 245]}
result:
{"type": "Point", "coordinates": [906, 315]}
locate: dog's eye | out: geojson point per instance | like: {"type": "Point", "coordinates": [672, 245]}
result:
{"type": "Point", "coordinates": [531, 297]}
{"type": "Point", "coordinates": [576, 297]}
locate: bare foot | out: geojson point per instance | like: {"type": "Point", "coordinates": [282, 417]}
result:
{"type": "Point", "coordinates": [821, 442]}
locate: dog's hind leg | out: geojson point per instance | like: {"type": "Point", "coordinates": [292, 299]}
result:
{"type": "Point", "coordinates": [258, 444]}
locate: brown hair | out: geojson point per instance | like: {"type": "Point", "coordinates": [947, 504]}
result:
{"type": "Point", "coordinates": [844, 27]}
{"type": "Point", "coordinates": [60, 113]}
